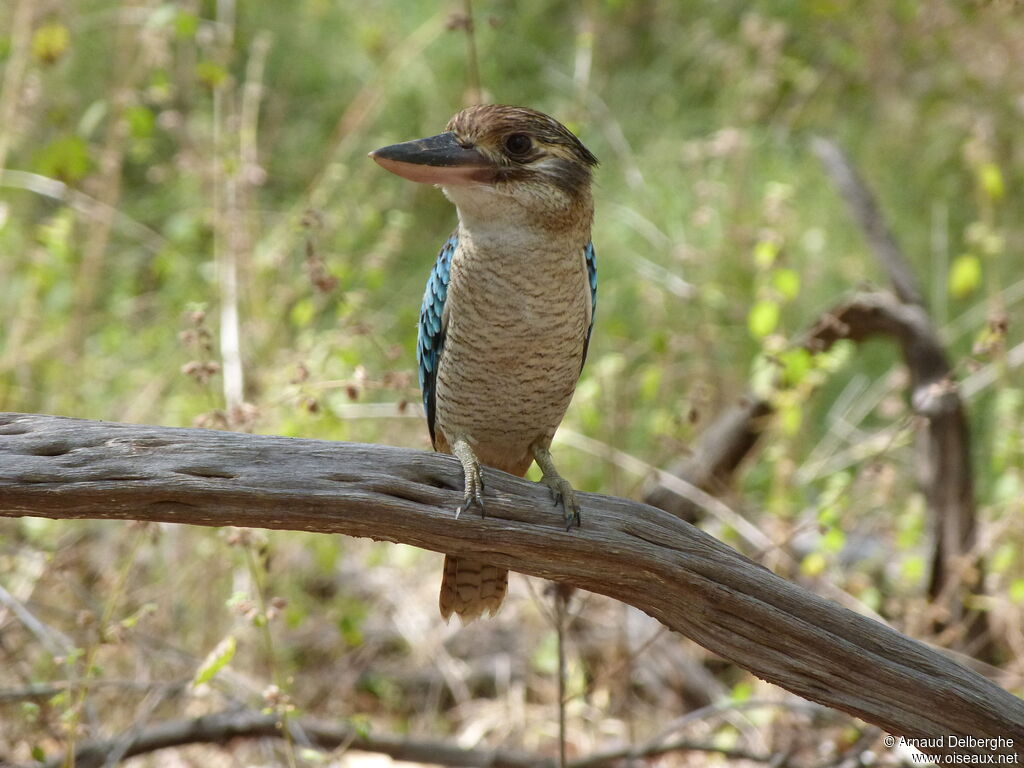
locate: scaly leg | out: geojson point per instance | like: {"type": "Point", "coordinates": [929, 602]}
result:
{"type": "Point", "coordinates": [561, 490]}
{"type": "Point", "coordinates": [474, 479]}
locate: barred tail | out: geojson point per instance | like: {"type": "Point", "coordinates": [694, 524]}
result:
{"type": "Point", "coordinates": [471, 588]}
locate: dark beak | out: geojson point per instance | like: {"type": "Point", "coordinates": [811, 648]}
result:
{"type": "Point", "coordinates": [439, 159]}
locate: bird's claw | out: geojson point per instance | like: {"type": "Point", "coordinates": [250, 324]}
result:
{"type": "Point", "coordinates": [474, 497]}
{"type": "Point", "coordinates": [562, 493]}
{"type": "Point", "coordinates": [474, 481]}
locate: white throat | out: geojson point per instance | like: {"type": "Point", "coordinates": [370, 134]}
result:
{"type": "Point", "coordinates": [500, 223]}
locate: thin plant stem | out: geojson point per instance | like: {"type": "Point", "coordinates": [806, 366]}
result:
{"type": "Point", "coordinates": [226, 224]}
{"type": "Point", "coordinates": [562, 593]}
{"type": "Point", "coordinates": [257, 574]}
{"type": "Point", "coordinates": [14, 73]}
{"type": "Point", "coordinates": [91, 273]}
{"type": "Point", "coordinates": [474, 91]}
{"type": "Point", "coordinates": [79, 688]}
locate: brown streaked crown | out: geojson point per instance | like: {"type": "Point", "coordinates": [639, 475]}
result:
{"type": "Point", "coordinates": [518, 139]}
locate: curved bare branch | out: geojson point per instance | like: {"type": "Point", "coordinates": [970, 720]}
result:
{"type": "Point", "coordinates": [71, 468]}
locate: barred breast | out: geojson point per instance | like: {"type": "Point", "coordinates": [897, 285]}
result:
{"type": "Point", "coordinates": [516, 327]}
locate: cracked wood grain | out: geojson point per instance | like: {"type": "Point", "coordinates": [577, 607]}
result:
{"type": "Point", "coordinates": [71, 468]}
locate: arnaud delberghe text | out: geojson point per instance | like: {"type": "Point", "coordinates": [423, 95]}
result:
{"type": "Point", "coordinates": [952, 741]}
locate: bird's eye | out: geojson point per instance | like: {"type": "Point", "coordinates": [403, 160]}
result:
{"type": "Point", "coordinates": [518, 144]}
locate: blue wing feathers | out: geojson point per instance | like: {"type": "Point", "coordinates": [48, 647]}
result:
{"type": "Point", "coordinates": [591, 258]}
{"type": "Point", "coordinates": [430, 337]}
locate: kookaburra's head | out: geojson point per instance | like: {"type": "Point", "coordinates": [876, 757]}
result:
{"type": "Point", "coordinates": [499, 161]}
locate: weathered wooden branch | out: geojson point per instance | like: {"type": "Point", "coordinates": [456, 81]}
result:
{"type": "Point", "coordinates": [70, 468]}
{"type": "Point", "coordinates": [224, 727]}
{"type": "Point", "coordinates": [865, 211]}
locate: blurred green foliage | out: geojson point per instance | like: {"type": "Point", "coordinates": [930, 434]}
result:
{"type": "Point", "coordinates": [150, 143]}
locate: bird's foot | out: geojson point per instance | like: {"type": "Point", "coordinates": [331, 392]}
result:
{"type": "Point", "coordinates": [474, 495]}
{"type": "Point", "coordinates": [474, 479]}
{"type": "Point", "coordinates": [562, 492]}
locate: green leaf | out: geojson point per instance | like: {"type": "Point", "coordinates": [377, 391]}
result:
{"type": "Point", "coordinates": [145, 610]}
{"type": "Point", "coordinates": [1017, 591]}
{"type": "Point", "coordinates": [790, 417]}
{"type": "Point", "coordinates": [836, 357]}
{"type": "Point", "coordinates": [796, 364]}
{"type": "Point", "coordinates": [834, 540]}
{"type": "Point", "coordinates": [913, 569]}
{"type": "Point", "coordinates": [186, 25]}
{"type": "Point", "coordinates": [303, 312]}
{"type": "Point", "coordinates": [965, 275]}
{"type": "Point", "coordinates": [211, 74]}
{"type": "Point", "coordinates": [787, 283]}
{"type": "Point", "coordinates": [765, 253]}
{"type": "Point", "coordinates": [814, 564]}
{"type": "Point", "coordinates": [763, 318]}
{"type": "Point", "coordinates": [50, 42]}
{"type": "Point", "coordinates": [140, 121]}
{"type": "Point", "coordinates": [742, 691]}
{"type": "Point", "coordinates": [217, 659]}
{"type": "Point", "coordinates": [66, 158]}
{"type": "Point", "coordinates": [990, 179]}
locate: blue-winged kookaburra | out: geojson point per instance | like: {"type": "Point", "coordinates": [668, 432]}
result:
{"type": "Point", "coordinates": [508, 308]}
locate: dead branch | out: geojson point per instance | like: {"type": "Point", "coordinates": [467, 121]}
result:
{"type": "Point", "coordinates": [865, 212]}
{"type": "Point", "coordinates": [734, 433]}
{"type": "Point", "coordinates": [716, 455]}
{"type": "Point", "coordinates": [223, 727]}
{"type": "Point", "coordinates": [45, 691]}
{"type": "Point", "coordinates": [944, 468]}
{"type": "Point", "coordinates": [71, 468]}
{"type": "Point", "coordinates": [944, 461]}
